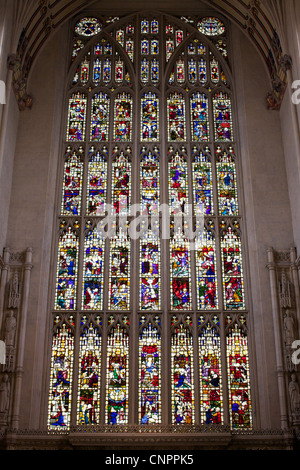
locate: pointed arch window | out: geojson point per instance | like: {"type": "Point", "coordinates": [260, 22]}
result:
{"type": "Point", "coordinates": [150, 330]}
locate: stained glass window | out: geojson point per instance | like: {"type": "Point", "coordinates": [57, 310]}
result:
{"type": "Point", "coordinates": [97, 182]}
{"type": "Point", "coordinates": [123, 118]}
{"type": "Point", "coordinates": [182, 374]}
{"type": "Point", "coordinates": [138, 83]}
{"type": "Point", "coordinates": [206, 278]}
{"type": "Point", "coordinates": [72, 185]}
{"type": "Point", "coordinates": [178, 184]}
{"type": "Point", "coordinates": [119, 272]}
{"type": "Point", "coordinates": [214, 71]}
{"type": "Point", "coordinates": [67, 266]}
{"type": "Point", "coordinates": [227, 185]}
{"type": "Point", "coordinates": [150, 118]}
{"type": "Point", "coordinates": [211, 26]}
{"type": "Point", "coordinates": [145, 70]}
{"type": "Point", "coordinates": [77, 118]}
{"type": "Point", "coordinates": [176, 117]}
{"type": "Point", "coordinates": [107, 71]}
{"type": "Point", "coordinates": [150, 372]}
{"type": "Point", "coordinates": [222, 117]}
{"type": "Point", "coordinates": [211, 394]}
{"type": "Point", "coordinates": [154, 71]}
{"type": "Point", "coordinates": [88, 405]}
{"type": "Point", "coordinates": [61, 374]}
{"type": "Point", "coordinates": [202, 182]}
{"type": "Point", "coordinates": [121, 183]}
{"type": "Point", "coordinates": [88, 27]}
{"type": "Point", "coordinates": [117, 373]}
{"type": "Point", "coordinates": [150, 271]}
{"type": "Point", "coordinates": [94, 246]}
{"type": "Point", "coordinates": [100, 117]}
{"type": "Point", "coordinates": [238, 374]}
{"type": "Point", "coordinates": [199, 117]}
{"type": "Point", "coordinates": [180, 272]}
{"type": "Point", "coordinates": [202, 71]}
{"type": "Point", "coordinates": [149, 182]}
{"type": "Point", "coordinates": [232, 266]}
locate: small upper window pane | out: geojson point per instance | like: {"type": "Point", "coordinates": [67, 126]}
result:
{"type": "Point", "coordinates": [88, 27]}
{"type": "Point", "coordinates": [211, 26]}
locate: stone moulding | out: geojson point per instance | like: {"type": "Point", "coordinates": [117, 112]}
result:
{"type": "Point", "coordinates": [156, 437]}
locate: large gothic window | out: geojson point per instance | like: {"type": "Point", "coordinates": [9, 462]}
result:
{"type": "Point", "coordinates": [149, 318]}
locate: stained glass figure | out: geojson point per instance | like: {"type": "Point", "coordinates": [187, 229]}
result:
{"type": "Point", "coordinates": [119, 275]}
{"type": "Point", "coordinates": [154, 27]}
{"type": "Point", "coordinates": [233, 284]}
{"type": "Point", "coordinates": [67, 265]}
{"type": "Point", "coordinates": [214, 71]}
{"type": "Point", "coordinates": [130, 48]}
{"type": "Point", "coordinates": [149, 183]}
{"type": "Point", "coordinates": [206, 275]}
{"type": "Point", "coordinates": [192, 71]}
{"type": "Point", "coordinates": [180, 71]}
{"type": "Point", "coordinates": [107, 48]}
{"type": "Point", "coordinates": [97, 71]}
{"type": "Point", "coordinates": [123, 118]}
{"type": "Point", "coordinates": [149, 271]}
{"type": "Point", "coordinates": [120, 37]}
{"type": "Point", "coordinates": [178, 184]}
{"type": "Point", "coordinates": [202, 182]}
{"type": "Point", "coordinates": [78, 44]}
{"type": "Point", "coordinates": [85, 71]}
{"type": "Point", "coordinates": [221, 45]}
{"type": "Point", "coordinates": [100, 117]}
{"type": "Point", "coordinates": [149, 374]}
{"type": "Point", "coordinates": [76, 118]}
{"type": "Point", "coordinates": [201, 49]}
{"type": "Point", "coordinates": [150, 118]}
{"type": "Point", "coordinates": [88, 402]}
{"type": "Point", "coordinates": [179, 37]}
{"type": "Point", "coordinates": [169, 29]}
{"type": "Point", "coordinates": [61, 375]}
{"type": "Point", "coordinates": [199, 117]}
{"type": "Point", "coordinates": [176, 117]}
{"type": "Point", "coordinates": [169, 48]}
{"type": "Point", "coordinates": [145, 70]}
{"type": "Point", "coordinates": [107, 71]}
{"type": "Point", "coordinates": [191, 48]}
{"type": "Point", "coordinates": [202, 71]}
{"type": "Point", "coordinates": [180, 272]}
{"type": "Point", "coordinates": [144, 26]}
{"type": "Point", "coordinates": [88, 27]}
{"type": "Point", "coordinates": [130, 29]}
{"type": "Point", "coordinates": [222, 117]}
{"type": "Point", "coordinates": [154, 71]}
{"type": "Point", "coordinates": [238, 376]}
{"type": "Point", "coordinates": [211, 26]}
{"type": "Point", "coordinates": [117, 375]}
{"type": "Point", "coordinates": [119, 71]}
{"type": "Point", "coordinates": [144, 47]}
{"type": "Point", "coordinates": [72, 185]}
{"type": "Point", "coordinates": [121, 184]}
{"type": "Point", "coordinates": [182, 381]}
{"type": "Point", "coordinates": [98, 49]}
{"type": "Point", "coordinates": [92, 286]}
{"type": "Point", "coordinates": [97, 182]}
{"type": "Point", "coordinates": [154, 47]}
{"type": "Point", "coordinates": [211, 395]}
{"type": "Point", "coordinates": [227, 185]}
